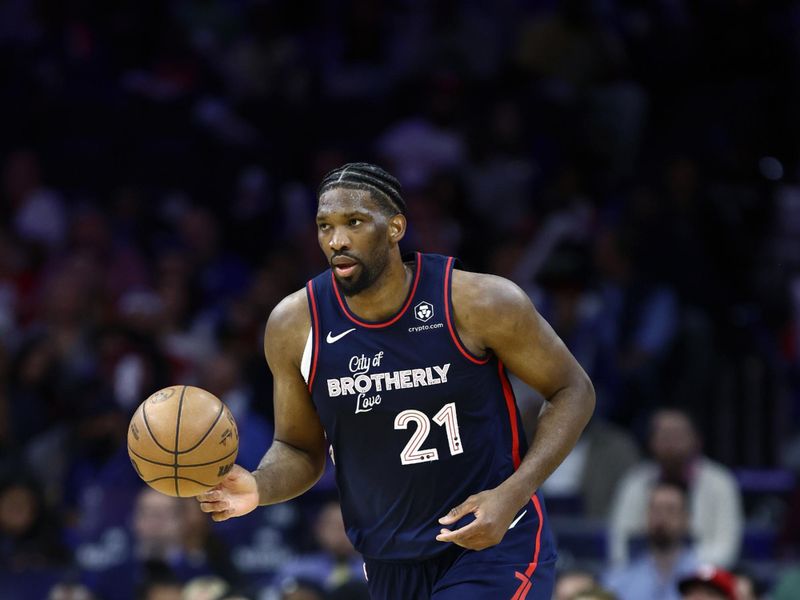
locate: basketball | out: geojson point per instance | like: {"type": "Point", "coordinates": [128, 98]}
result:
{"type": "Point", "coordinates": [182, 440]}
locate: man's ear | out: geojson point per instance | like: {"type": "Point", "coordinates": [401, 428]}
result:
{"type": "Point", "coordinates": [397, 227]}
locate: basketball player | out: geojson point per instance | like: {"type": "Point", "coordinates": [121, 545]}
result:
{"type": "Point", "coordinates": [398, 368]}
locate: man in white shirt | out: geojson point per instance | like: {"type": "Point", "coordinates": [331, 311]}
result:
{"type": "Point", "coordinates": [715, 504]}
{"type": "Point", "coordinates": [655, 573]}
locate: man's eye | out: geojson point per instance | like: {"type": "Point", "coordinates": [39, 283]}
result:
{"type": "Point", "coordinates": [355, 222]}
{"type": "Point", "coordinates": [323, 226]}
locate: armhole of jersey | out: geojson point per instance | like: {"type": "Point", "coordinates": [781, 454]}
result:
{"type": "Point", "coordinates": [448, 312]}
{"type": "Point", "coordinates": [305, 362]}
{"type": "Point", "coordinates": [511, 407]}
{"type": "Point", "coordinates": [312, 343]}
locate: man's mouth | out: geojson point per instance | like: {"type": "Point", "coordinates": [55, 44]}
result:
{"type": "Point", "coordinates": [343, 266]}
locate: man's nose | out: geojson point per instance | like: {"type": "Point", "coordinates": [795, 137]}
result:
{"type": "Point", "coordinates": [339, 239]}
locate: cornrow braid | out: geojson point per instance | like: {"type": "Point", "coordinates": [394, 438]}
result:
{"type": "Point", "coordinates": [369, 177]}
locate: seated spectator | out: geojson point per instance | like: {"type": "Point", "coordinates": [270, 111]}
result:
{"type": "Point", "coordinates": [100, 485]}
{"type": "Point", "coordinates": [70, 591]}
{"type": "Point", "coordinates": [30, 537]}
{"type": "Point", "coordinates": [222, 376]}
{"type": "Point", "coordinates": [714, 498]}
{"type": "Point", "coordinates": [570, 583]}
{"type": "Point", "coordinates": [708, 583]}
{"type": "Point", "coordinates": [157, 538]}
{"type": "Point", "coordinates": [748, 587]}
{"type": "Point", "coordinates": [202, 545]}
{"type": "Point", "coordinates": [205, 588]}
{"type": "Point", "coordinates": [655, 574]}
{"type": "Point", "coordinates": [594, 467]}
{"type": "Point", "coordinates": [301, 589]}
{"type": "Point", "coordinates": [336, 562]}
{"type": "Point", "coordinates": [159, 584]}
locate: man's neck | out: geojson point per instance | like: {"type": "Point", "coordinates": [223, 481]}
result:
{"type": "Point", "coordinates": [680, 472]}
{"type": "Point", "coordinates": [665, 559]}
{"type": "Point", "coordinates": [385, 297]}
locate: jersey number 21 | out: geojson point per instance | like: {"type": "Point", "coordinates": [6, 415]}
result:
{"type": "Point", "coordinates": [413, 453]}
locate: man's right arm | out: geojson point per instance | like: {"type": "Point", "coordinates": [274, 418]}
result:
{"type": "Point", "coordinates": [296, 459]}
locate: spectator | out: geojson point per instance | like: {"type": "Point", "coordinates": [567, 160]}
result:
{"type": "Point", "coordinates": [222, 376]}
{"type": "Point", "coordinates": [336, 562]}
{"type": "Point", "coordinates": [39, 215]}
{"type": "Point", "coordinates": [594, 467]}
{"type": "Point", "coordinates": [202, 545]}
{"type": "Point", "coordinates": [715, 501]}
{"type": "Point", "coordinates": [639, 323]}
{"type": "Point", "coordinates": [654, 575]}
{"type": "Point", "coordinates": [70, 591]}
{"type": "Point", "coordinates": [30, 535]}
{"type": "Point", "coordinates": [300, 589]}
{"type": "Point", "coordinates": [748, 587]}
{"type": "Point", "coordinates": [708, 583]}
{"type": "Point", "coordinates": [158, 538]}
{"type": "Point", "coordinates": [205, 588]}
{"type": "Point", "coordinates": [570, 583]}
{"type": "Point", "coordinates": [159, 585]}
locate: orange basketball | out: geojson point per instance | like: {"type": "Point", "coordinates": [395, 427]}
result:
{"type": "Point", "coordinates": [182, 440]}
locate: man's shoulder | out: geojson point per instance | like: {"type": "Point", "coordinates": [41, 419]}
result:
{"type": "Point", "coordinates": [288, 325]}
{"type": "Point", "coordinates": [292, 310]}
{"type": "Point", "coordinates": [486, 292]}
{"type": "Point", "coordinates": [642, 474]}
{"type": "Point", "coordinates": [711, 470]}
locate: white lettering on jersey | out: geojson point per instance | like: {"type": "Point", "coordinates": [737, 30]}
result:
{"type": "Point", "coordinates": [366, 403]}
{"type": "Point", "coordinates": [364, 383]}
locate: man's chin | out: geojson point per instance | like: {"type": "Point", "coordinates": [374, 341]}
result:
{"type": "Point", "coordinates": [350, 286]}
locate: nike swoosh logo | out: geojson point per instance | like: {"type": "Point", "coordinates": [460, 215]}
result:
{"type": "Point", "coordinates": [515, 521]}
{"type": "Point", "coordinates": [335, 338]}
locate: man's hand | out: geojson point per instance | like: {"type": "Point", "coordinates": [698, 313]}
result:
{"type": "Point", "coordinates": [234, 496]}
{"type": "Point", "coordinates": [493, 510]}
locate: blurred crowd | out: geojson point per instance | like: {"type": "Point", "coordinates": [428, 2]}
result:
{"type": "Point", "coordinates": [634, 166]}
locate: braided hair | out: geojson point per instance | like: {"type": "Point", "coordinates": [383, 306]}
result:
{"type": "Point", "coordinates": [384, 187]}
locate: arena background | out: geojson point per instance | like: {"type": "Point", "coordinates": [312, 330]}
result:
{"type": "Point", "coordinates": [633, 165]}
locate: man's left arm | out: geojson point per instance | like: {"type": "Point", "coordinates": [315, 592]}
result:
{"type": "Point", "coordinates": [494, 315]}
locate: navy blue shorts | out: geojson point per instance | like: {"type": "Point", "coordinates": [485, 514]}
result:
{"type": "Point", "coordinates": [520, 567]}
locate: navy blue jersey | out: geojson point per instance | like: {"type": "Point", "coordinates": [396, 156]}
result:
{"type": "Point", "coordinates": [415, 421]}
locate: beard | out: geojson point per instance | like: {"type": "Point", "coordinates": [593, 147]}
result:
{"type": "Point", "coordinates": [366, 276]}
{"type": "Point", "coordinates": [662, 540]}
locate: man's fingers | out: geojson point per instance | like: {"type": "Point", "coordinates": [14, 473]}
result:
{"type": "Point", "coordinates": [459, 535]}
{"type": "Point", "coordinates": [459, 511]}
{"type": "Point", "coordinates": [215, 507]}
{"type": "Point", "coordinates": [211, 495]}
{"type": "Point", "coordinates": [223, 516]}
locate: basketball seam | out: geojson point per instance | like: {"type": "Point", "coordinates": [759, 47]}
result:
{"type": "Point", "coordinates": [150, 431]}
{"type": "Point", "coordinates": [206, 434]}
{"type": "Point", "coordinates": [177, 434]}
{"type": "Point", "coordinates": [149, 481]}
{"type": "Point", "coordinates": [160, 464]}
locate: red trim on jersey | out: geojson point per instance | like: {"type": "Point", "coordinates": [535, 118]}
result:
{"type": "Point", "coordinates": [524, 587]}
{"type": "Point", "coordinates": [453, 334]}
{"type": "Point", "coordinates": [525, 578]}
{"type": "Point", "coordinates": [315, 327]}
{"type": "Point", "coordinates": [511, 405]}
{"type": "Point", "coordinates": [395, 318]}
{"type": "Point", "coordinates": [532, 567]}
